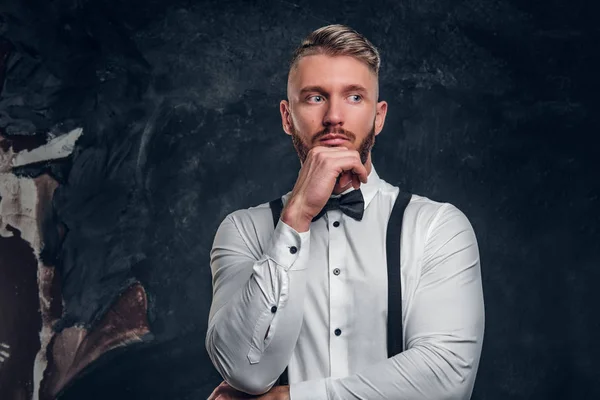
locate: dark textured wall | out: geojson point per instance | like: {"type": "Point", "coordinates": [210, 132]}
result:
{"type": "Point", "coordinates": [492, 107]}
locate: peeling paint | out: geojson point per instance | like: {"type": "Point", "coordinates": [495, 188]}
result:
{"type": "Point", "coordinates": [59, 147]}
{"type": "Point", "coordinates": [25, 203]}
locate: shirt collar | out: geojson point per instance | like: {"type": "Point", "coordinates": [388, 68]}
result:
{"type": "Point", "coordinates": [369, 189]}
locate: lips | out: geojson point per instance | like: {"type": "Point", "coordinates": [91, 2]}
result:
{"type": "Point", "coordinates": [333, 139]}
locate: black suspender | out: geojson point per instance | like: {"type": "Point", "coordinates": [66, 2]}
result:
{"type": "Point", "coordinates": [276, 208]}
{"type": "Point", "coordinates": [394, 230]}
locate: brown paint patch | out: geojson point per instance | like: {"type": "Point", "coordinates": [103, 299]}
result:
{"type": "Point", "coordinates": [74, 348]}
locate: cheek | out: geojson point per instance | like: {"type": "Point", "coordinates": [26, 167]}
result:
{"type": "Point", "coordinates": [367, 120]}
{"type": "Point", "coordinates": [306, 123]}
{"type": "Point", "coordinates": [356, 121]}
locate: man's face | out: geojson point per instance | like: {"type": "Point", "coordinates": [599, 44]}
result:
{"type": "Point", "coordinates": [333, 95]}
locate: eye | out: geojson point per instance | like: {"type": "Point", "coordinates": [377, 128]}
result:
{"type": "Point", "coordinates": [316, 96]}
{"type": "Point", "coordinates": [358, 96]}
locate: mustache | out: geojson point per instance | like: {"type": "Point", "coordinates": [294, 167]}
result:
{"type": "Point", "coordinates": [336, 131]}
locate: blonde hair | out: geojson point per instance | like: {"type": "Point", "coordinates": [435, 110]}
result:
{"type": "Point", "coordinates": [338, 40]}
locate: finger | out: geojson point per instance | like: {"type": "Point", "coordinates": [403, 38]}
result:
{"type": "Point", "coordinates": [4, 354]}
{"type": "Point", "coordinates": [342, 168]}
{"type": "Point", "coordinates": [217, 392]}
{"type": "Point", "coordinates": [345, 179]}
{"type": "Point", "coordinates": [350, 164]}
{"type": "Point", "coordinates": [4, 345]}
{"type": "Point", "coordinates": [217, 395]}
{"type": "Point", "coordinates": [355, 181]}
{"type": "Point", "coordinates": [328, 148]}
{"type": "Point", "coordinates": [360, 170]}
{"type": "Point", "coordinates": [334, 152]}
{"type": "Point", "coordinates": [328, 159]}
{"type": "Point", "coordinates": [342, 177]}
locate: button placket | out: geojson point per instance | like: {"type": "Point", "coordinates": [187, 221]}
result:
{"type": "Point", "coordinates": [339, 295]}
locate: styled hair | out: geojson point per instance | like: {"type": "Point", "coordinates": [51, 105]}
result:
{"type": "Point", "coordinates": [338, 40]}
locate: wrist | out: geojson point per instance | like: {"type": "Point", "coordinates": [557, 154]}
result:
{"type": "Point", "coordinates": [293, 215]}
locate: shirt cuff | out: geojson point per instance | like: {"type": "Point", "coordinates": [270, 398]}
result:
{"type": "Point", "coordinates": [309, 390]}
{"type": "Point", "coordinates": [289, 248]}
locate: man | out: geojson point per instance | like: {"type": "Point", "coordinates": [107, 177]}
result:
{"type": "Point", "coordinates": [311, 297]}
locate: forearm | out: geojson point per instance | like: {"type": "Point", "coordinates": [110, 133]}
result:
{"type": "Point", "coordinates": [420, 373]}
{"type": "Point", "coordinates": [439, 364]}
{"type": "Point", "coordinates": [252, 331]}
{"type": "Point", "coordinates": [237, 340]}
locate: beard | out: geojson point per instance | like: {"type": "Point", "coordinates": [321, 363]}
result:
{"type": "Point", "coordinates": [363, 150]}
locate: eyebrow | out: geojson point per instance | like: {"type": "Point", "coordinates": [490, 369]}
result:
{"type": "Point", "coordinates": [348, 88]}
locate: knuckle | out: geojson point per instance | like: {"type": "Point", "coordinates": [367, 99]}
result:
{"type": "Point", "coordinates": [319, 156]}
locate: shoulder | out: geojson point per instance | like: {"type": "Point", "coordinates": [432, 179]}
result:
{"type": "Point", "coordinates": [254, 224]}
{"type": "Point", "coordinates": [443, 227]}
{"type": "Point", "coordinates": [425, 215]}
{"type": "Point", "coordinates": [253, 215]}
{"type": "Point", "coordinates": [420, 208]}
{"type": "Point", "coordinates": [437, 214]}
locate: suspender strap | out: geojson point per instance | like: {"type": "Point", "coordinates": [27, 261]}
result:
{"type": "Point", "coordinates": [276, 208]}
{"type": "Point", "coordinates": [394, 230]}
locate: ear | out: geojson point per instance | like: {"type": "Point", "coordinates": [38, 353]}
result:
{"type": "Point", "coordinates": [286, 117]}
{"type": "Point", "coordinates": [380, 116]}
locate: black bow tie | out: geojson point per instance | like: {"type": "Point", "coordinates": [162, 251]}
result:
{"type": "Point", "coordinates": [352, 204]}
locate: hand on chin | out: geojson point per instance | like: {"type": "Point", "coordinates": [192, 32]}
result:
{"type": "Point", "coordinates": [346, 180]}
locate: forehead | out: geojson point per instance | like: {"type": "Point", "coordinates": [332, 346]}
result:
{"type": "Point", "coordinates": [330, 73]}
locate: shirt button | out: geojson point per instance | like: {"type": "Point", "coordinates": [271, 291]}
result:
{"type": "Point", "coordinates": [293, 249]}
{"type": "Point", "coordinates": [273, 309]}
{"type": "Point", "coordinates": [336, 271]}
{"type": "Point", "coordinates": [336, 223]}
{"type": "Point", "coordinates": [338, 332]}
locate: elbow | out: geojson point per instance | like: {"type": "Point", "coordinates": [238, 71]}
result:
{"type": "Point", "coordinates": [459, 386]}
{"type": "Point", "coordinates": [248, 379]}
{"type": "Point", "coordinates": [249, 384]}
{"type": "Point", "coordinates": [454, 386]}
{"type": "Point", "coordinates": [238, 373]}
{"type": "Point", "coordinates": [452, 376]}
{"type": "Point", "coordinates": [459, 378]}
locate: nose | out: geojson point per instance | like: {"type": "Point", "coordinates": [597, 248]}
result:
{"type": "Point", "coordinates": [334, 114]}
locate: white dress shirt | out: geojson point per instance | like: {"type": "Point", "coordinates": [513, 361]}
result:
{"type": "Point", "coordinates": [280, 297]}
